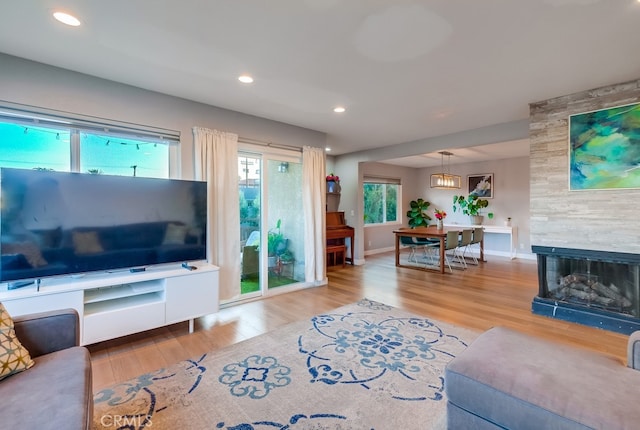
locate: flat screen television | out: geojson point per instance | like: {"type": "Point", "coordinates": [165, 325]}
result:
{"type": "Point", "coordinates": [59, 223]}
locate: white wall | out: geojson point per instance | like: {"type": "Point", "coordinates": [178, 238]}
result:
{"type": "Point", "coordinates": [349, 166]}
{"type": "Point", "coordinates": [26, 82]}
{"type": "Point", "coordinates": [35, 84]}
{"type": "Point", "coordinates": [381, 236]}
{"type": "Point", "coordinates": [511, 198]}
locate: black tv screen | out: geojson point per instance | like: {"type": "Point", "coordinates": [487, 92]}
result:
{"type": "Point", "coordinates": [57, 223]}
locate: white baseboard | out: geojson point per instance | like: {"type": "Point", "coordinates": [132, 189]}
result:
{"type": "Point", "coordinates": [379, 250]}
{"type": "Point", "coordinates": [520, 255]}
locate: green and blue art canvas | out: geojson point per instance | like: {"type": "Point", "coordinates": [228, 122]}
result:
{"type": "Point", "coordinates": [604, 149]}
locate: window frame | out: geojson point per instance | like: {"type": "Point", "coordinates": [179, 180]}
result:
{"type": "Point", "coordinates": [385, 182]}
{"type": "Point", "coordinates": [75, 124]}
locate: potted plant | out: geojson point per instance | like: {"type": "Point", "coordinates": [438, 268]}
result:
{"type": "Point", "coordinates": [417, 213]}
{"type": "Point", "coordinates": [276, 243]}
{"type": "Point", "coordinates": [472, 206]}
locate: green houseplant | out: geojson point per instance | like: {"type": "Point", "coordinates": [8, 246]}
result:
{"type": "Point", "coordinates": [417, 213]}
{"type": "Point", "coordinates": [471, 205]}
{"type": "Point", "coordinates": [276, 242]}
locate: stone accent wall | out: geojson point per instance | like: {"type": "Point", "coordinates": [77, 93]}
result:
{"type": "Point", "coordinates": [606, 220]}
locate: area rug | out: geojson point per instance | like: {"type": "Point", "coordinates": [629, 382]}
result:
{"type": "Point", "coordinates": [366, 365]}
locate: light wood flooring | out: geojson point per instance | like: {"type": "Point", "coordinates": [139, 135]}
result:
{"type": "Point", "coordinates": [498, 292]}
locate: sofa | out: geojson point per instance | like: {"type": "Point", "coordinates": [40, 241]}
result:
{"type": "Point", "coordinates": [509, 380]}
{"type": "Point", "coordinates": [56, 392]}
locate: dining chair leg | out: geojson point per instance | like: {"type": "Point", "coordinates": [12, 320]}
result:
{"type": "Point", "coordinates": [469, 248]}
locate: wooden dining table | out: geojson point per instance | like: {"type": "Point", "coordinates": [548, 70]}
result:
{"type": "Point", "coordinates": [431, 232]}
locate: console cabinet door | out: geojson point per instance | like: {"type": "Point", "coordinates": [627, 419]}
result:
{"type": "Point", "coordinates": [44, 303]}
{"type": "Point", "coordinates": [191, 296]}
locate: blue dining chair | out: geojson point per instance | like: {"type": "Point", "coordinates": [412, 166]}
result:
{"type": "Point", "coordinates": [413, 245]}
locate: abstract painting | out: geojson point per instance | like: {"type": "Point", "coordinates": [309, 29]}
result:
{"type": "Point", "coordinates": [604, 149]}
{"type": "Point", "coordinates": [481, 185]}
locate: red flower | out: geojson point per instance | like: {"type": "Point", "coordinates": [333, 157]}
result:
{"type": "Point", "coordinates": [440, 214]}
{"type": "Point", "coordinates": [332, 177]}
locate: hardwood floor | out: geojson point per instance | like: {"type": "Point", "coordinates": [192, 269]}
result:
{"type": "Point", "coordinates": [498, 292]}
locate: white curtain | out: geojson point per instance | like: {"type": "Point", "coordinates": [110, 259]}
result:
{"type": "Point", "coordinates": [314, 207]}
{"type": "Point", "coordinates": [217, 163]}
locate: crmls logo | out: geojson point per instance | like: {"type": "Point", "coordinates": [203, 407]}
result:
{"type": "Point", "coordinates": [123, 421]}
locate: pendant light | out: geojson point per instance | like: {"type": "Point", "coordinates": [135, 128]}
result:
{"type": "Point", "coordinates": [445, 180]}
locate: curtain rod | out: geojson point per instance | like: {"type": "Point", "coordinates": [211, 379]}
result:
{"type": "Point", "coordinates": [269, 144]}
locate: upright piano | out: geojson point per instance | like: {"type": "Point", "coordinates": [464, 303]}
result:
{"type": "Point", "coordinates": [338, 231]}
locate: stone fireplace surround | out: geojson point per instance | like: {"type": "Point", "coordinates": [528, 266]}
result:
{"type": "Point", "coordinates": [591, 224]}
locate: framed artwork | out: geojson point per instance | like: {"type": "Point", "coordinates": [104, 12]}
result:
{"type": "Point", "coordinates": [481, 185]}
{"type": "Point", "coordinates": [604, 149]}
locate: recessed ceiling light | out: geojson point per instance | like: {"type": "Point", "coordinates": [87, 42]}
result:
{"type": "Point", "coordinates": [65, 18]}
{"type": "Point", "coordinates": [339, 109]}
{"type": "Point", "coordinates": [245, 79]}
{"type": "Point", "coordinates": [327, 149]}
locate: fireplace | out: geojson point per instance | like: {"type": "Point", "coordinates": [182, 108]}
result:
{"type": "Point", "coordinates": [596, 288]}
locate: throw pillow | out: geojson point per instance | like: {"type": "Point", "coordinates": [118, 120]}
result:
{"type": "Point", "coordinates": [86, 242]}
{"type": "Point", "coordinates": [14, 357]}
{"type": "Point", "coordinates": [175, 234]}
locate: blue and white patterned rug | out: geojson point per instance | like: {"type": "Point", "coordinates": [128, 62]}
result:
{"type": "Point", "coordinates": [362, 366]}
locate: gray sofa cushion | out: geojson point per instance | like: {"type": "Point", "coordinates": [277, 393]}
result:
{"type": "Point", "coordinates": [521, 382]}
{"type": "Point", "coordinates": [54, 394]}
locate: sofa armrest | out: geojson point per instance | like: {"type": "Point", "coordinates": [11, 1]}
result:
{"type": "Point", "coordinates": [633, 351]}
{"type": "Point", "coordinates": [46, 332]}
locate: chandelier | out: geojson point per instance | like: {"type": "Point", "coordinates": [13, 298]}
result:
{"type": "Point", "coordinates": [445, 179]}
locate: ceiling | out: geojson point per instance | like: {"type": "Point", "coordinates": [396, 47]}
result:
{"type": "Point", "coordinates": [404, 70]}
{"type": "Point", "coordinates": [493, 151]}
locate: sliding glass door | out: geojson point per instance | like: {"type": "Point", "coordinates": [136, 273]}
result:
{"type": "Point", "coordinates": [285, 259]}
{"type": "Point", "coordinates": [270, 191]}
{"type": "Point", "coordinates": [249, 174]}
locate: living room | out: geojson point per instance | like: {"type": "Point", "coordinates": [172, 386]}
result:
{"type": "Point", "coordinates": [522, 186]}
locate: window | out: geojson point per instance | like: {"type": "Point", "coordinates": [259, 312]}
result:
{"type": "Point", "coordinates": [381, 196]}
{"type": "Point", "coordinates": [31, 140]}
{"type": "Point", "coordinates": [126, 157]}
{"type": "Point", "coordinates": [34, 147]}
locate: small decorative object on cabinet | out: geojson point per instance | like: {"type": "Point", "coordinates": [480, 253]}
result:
{"type": "Point", "coordinates": [333, 192]}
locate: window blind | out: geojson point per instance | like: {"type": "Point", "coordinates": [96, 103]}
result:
{"type": "Point", "coordinates": [33, 116]}
{"type": "Point", "coordinates": [368, 179]}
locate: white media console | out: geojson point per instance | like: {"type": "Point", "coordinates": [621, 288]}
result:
{"type": "Point", "coordinates": [119, 303]}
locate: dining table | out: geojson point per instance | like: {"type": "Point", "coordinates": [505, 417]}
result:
{"type": "Point", "coordinates": [431, 232]}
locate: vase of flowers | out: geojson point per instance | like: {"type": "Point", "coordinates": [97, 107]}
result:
{"type": "Point", "coordinates": [333, 183]}
{"type": "Point", "coordinates": [440, 216]}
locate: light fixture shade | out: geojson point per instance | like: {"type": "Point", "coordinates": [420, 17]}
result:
{"type": "Point", "coordinates": [445, 181]}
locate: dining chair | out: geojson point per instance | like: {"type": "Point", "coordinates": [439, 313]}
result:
{"type": "Point", "coordinates": [463, 244]}
{"type": "Point", "coordinates": [413, 245]}
{"type": "Point", "coordinates": [478, 235]}
{"type": "Point", "coordinates": [450, 243]}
